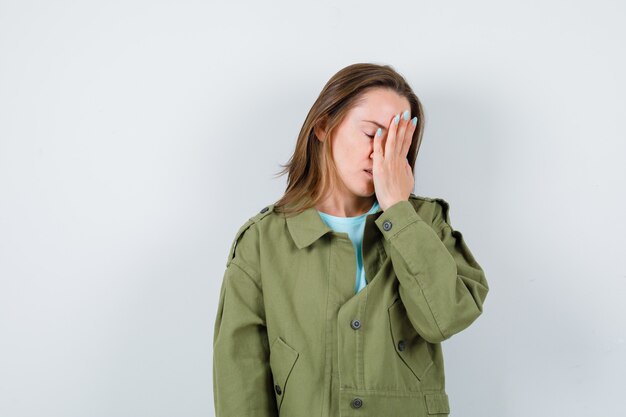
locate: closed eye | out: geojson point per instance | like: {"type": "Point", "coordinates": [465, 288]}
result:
{"type": "Point", "coordinates": [369, 136]}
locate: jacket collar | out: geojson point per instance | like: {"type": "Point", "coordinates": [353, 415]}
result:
{"type": "Point", "coordinates": [308, 226]}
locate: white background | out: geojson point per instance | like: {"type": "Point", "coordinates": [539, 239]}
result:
{"type": "Point", "coordinates": [137, 136]}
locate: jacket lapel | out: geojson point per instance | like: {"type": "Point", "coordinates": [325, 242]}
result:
{"type": "Point", "coordinates": [306, 227]}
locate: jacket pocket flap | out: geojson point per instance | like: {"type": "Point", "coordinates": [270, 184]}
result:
{"type": "Point", "coordinates": [409, 345]}
{"type": "Point", "coordinates": [282, 360]}
{"type": "Point", "coordinates": [437, 403]}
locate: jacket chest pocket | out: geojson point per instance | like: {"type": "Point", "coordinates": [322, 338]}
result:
{"type": "Point", "coordinates": [282, 360]}
{"type": "Point", "coordinates": [412, 349]}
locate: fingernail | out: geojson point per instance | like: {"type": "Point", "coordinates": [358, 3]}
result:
{"type": "Point", "coordinates": [414, 121]}
{"type": "Point", "coordinates": [379, 132]}
{"type": "Point", "coordinates": [405, 116]}
{"type": "Point", "coordinates": [396, 119]}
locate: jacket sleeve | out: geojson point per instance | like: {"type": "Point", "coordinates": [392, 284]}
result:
{"type": "Point", "coordinates": [441, 285]}
{"type": "Point", "coordinates": [242, 380]}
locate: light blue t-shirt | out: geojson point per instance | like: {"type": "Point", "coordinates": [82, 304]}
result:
{"type": "Point", "coordinates": [354, 226]}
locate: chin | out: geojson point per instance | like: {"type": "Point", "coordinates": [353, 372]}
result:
{"type": "Point", "coordinates": [367, 191]}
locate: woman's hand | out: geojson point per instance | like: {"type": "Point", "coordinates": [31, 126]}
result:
{"type": "Point", "coordinates": [393, 178]}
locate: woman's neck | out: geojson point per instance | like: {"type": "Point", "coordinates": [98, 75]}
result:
{"type": "Point", "coordinates": [346, 207]}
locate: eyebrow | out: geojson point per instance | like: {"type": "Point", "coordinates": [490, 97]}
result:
{"type": "Point", "coordinates": [376, 123]}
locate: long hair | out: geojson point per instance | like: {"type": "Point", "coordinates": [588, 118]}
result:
{"type": "Point", "coordinates": [311, 169]}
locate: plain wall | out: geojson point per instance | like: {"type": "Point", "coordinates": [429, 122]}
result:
{"type": "Point", "coordinates": [137, 136]}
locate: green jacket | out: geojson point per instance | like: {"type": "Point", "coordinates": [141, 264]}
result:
{"type": "Point", "coordinates": [291, 337]}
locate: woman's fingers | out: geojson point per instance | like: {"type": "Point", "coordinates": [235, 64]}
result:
{"type": "Point", "coordinates": [391, 141]}
{"type": "Point", "coordinates": [400, 136]}
{"type": "Point", "coordinates": [378, 148]}
{"type": "Point", "coordinates": [408, 137]}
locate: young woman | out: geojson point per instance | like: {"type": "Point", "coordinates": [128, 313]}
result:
{"type": "Point", "coordinates": [336, 298]}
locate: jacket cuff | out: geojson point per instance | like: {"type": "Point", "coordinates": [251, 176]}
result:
{"type": "Point", "coordinates": [396, 218]}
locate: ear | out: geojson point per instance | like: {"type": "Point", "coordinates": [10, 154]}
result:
{"type": "Point", "coordinates": [320, 131]}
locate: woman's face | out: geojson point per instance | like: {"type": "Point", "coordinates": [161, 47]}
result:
{"type": "Point", "coordinates": [353, 140]}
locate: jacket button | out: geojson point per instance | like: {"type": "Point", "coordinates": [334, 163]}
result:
{"type": "Point", "coordinates": [355, 324]}
{"type": "Point", "coordinates": [387, 225]}
{"type": "Point", "coordinates": [401, 345]}
{"type": "Point", "coordinates": [357, 403]}
{"type": "Point", "coordinates": [264, 209]}
{"type": "Point", "coordinates": [277, 388]}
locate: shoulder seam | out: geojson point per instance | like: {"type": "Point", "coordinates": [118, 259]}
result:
{"type": "Point", "coordinates": [241, 266]}
{"type": "Point", "coordinates": [445, 208]}
{"type": "Point", "coordinates": [437, 200]}
{"type": "Point", "coordinates": [421, 197]}
{"type": "Point", "coordinates": [265, 211]}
